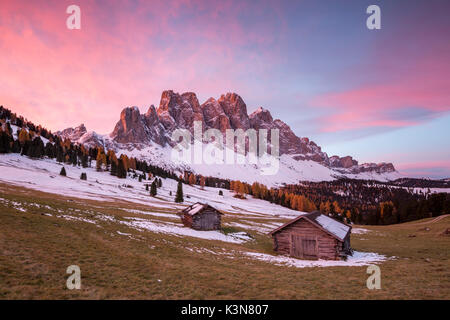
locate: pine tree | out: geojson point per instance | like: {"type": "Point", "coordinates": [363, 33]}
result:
{"type": "Point", "coordinates": [5, 142]}
{"type": "Point", "coordinates": [63, 172]}
{"type": "Point", "coordinates": [114, 168]}
{"type": "Point", "coordinates": [220, 193]}
{"type": "Point", "coordinates": [179, 195]}
{"type": "Point", "coordinates": [84, 161]}
{"type": "Point", "coordinates": [159, 183]}
{"type": "Point", "coordinates": [83, 176]}
{"type": "Point", "coordinates": [153, 188]}
{"type": "Point", "coordinates": [121, 171]}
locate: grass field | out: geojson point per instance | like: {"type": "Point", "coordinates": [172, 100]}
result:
{"type": "Point", "coordinates": [120, 262]}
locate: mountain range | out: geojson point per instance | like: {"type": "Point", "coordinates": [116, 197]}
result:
{"type": "Point", "coordinates": [148, 136]}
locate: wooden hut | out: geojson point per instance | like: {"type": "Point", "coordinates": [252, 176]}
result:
{"type": "Point", "coordinates": [201, 216]}
{"type": "Point", "coordinates": [313, 236]}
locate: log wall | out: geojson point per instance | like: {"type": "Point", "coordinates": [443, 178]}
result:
{"type": "Point", "coordinates": [327, 246]}
{"type": "Point", "coordinates": [208, 219]}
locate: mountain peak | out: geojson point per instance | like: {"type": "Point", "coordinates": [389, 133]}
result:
{"type": "Point", "coordinates": [73, 134]}
{"type": "Point", "coordinates": [180, 111]}
{"type": "Point", "coordinates": [261, 114]}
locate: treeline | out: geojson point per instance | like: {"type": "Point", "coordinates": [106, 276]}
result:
{"type": "Point", "coordinates": [197, 179]}
{"type": "Point", "coordinates": [372, 202]}
{"type": "Point", "coordinates": [422, 183]}
{"type": "Point", "coordinates": [347, 200]}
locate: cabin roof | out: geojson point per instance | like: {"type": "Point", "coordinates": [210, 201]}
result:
{"type": "Point", "coordinates": [333, 227]}
{"type": "Point", "coordinates": [196, 208]}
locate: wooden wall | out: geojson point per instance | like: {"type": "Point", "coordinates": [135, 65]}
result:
{"type": "Point", "coordinates": [208, 219]}
{"type": "Point", "coordinates": [328, 247]}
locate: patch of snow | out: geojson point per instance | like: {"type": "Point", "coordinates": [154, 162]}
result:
{"type": "Point", "coordinates": [43, 175]}
{"type": "Point", "coordinates": [156, 214]}
{"type": "Point", "coordinates": [195, 208]}
{"type": "Point", "coordinates": [359, 231]}
{"type": "Point", "coordinates": [337, 228]}
{"type": "Point", "coordinates": [179, 230]}
{"type": "Point", "coordinates": [358, 259]}
{"type": "Point", "coordinates": [124, 233]}
{"type": "Point", "coordinates": [73, 218]}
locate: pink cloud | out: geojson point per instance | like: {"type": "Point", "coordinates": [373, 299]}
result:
{"type": "Point", "coordinates": [399, 77]}
{"type": "Point", "coordinates": [371, 106]}
{"type": "Point", "coordinates": [124, 55]}
{"type": "Point", "coordinates": [424, 165]}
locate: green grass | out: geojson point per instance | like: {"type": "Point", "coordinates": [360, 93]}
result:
{"type": "Point", "coordinates": [36, 249]}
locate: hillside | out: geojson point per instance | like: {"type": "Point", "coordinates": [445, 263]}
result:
{"type": "Point", "coordinates": [131, 245]}
{"type": "Point", "coordinates": [127, 249]}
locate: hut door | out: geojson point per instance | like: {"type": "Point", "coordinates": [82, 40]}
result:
{"type": "Point", "coordinates": [296, 246]}
{"type": "Point", "coordinates": [309, 248]}
{"type": "Point", "coordinates": [207, 221]}
{"type": "Point", "coordinates": [303, 247]}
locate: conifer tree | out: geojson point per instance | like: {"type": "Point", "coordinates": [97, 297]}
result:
{"type": "Point", "coordinates": [84, 161]}
{"type": "Point", "coordinates": [121, 171]}
{"type": "Point", "coordinates": [5, 142]}
{"type": "Point", "coordinates": [83, 176]}
{"type": "Point", "coordinates": [153, 189]}
{"type": "Point", "coordinates": [63, 172]}
{"type": "Point", "coordinates": [113, 168]}
{"type": "Point", "coordinates": [179, 195]}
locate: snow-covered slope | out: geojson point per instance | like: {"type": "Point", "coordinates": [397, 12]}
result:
{"type": "Point", "coordinates": [157, 214]}
{"type": "Point", "coordinates": [43, 175]}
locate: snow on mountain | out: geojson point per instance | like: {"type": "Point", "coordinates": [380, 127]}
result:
{"type": "Point", "coordinates": [73, 134]}
{"type": "Point", "coordinates": [149, 137]}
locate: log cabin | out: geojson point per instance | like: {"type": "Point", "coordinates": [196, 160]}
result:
{"type": "Point", "coordinates": [313, 236]}
{"type": "Point", "coordinates": [201, 216]}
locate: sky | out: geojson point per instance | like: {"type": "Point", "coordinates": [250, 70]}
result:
{"type": "Point", "coordinates": [378, 95]}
